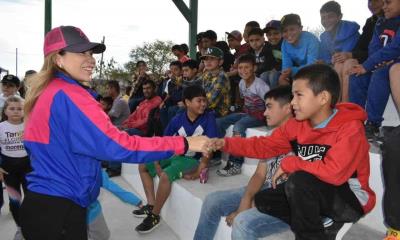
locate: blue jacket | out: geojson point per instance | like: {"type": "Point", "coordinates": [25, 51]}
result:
{"type": "Point", "coordinates": [304, 53]}
{"type": "Point", "coordinates": [95, 208]}
{"type": "Point", "coordinates": [344, 40]}
{"type": "Point", "coordinates": [385, 43]}
{"type": "Point", "coordinates": [67, 135]}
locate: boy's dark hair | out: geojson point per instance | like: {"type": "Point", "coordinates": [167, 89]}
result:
{"type": "Point", "coordinates": [149, 82]}
{"type": "Point", "coordinates": [321, 77]}
{"type": "Point", "coordinates": [281, 94]}
{"type": "Point", "coordinates": [210, 34]}
{"type": "Point", "coordinates": [107, 100]}
{"type": "Point", "coordinates": [193, 91]}
{"type": "Point", "coordinates": [253, 24]}
{"type": "Point", "coordinates": [247, 58]}
{"type": "Point", "coordinates": [192, 64]}
{"type": "Point", "coordinates": [176, 47]}
{"type": "Point", "coordinates": [331, 6]}
{"type": "Point", "coordinates": [223, 46]}
{"type": "Point", "coordinates": [114, 84]}
{"type": "Point", "coordinates": [184, 48]}
{"type": "Point", "coordinates": [256, 31]}
{"type": "Point", "coordinates": [139, 62]}
{"type": "Point", "coordinates": [199, 36]}
{"type": "Point", "coordinates": [176, 63]}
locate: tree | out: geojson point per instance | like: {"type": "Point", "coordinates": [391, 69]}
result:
{"type": "Point", "coordinates": [156, 54]}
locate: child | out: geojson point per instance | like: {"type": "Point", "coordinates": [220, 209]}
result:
{"type": "Point", "coordinates": [97, 226]}
{"type": "Point", "coordinates": [273, 32]}
{"type": "Point", "coordinates": [369, 87]}
{"type": "Point", "coordinates": [246, 221]}
{"type": "Point", "coordinates": [344, 61]}
{"type": "Point", "coordinates": [339, 35]}
{"type": "Point", "coordinates": [190, 70]}
{"type": "Point", "coordinates": [172, 94]}
{"type": "Point", "coordinates": [330, 170]}
{"type": "Point", "coordinates": [195, 121]}
{"type": "Point", "coordinates": [216, 82]}
{"type": "Point", "coordinates": [252, 91]}
{"type": "Point", "coordinates": [9, 87]}
{"type": "Point", "coordinates": [138, 78]}
{"type": "Point", "coordinates": [180, 51]}
{"type": "Point", "coordinates": [262, 50]}
{"type": "Point", "coordinates": [119, 111]}
{"type": "Point", "coordinates": [299, 48]}
{"type": "Point", "coordinates": [14, 160]}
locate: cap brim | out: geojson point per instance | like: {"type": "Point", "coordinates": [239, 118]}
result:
{"type": "Point", "coordinates": [83, 47]}
{"type": "Point", "coordinates": [204, 56]}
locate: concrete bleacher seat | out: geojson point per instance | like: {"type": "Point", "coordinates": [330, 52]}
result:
{"type": "Point", "coordinates": [182, 210]}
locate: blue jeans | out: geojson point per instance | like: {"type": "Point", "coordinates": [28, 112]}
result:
{"type": "Point", "coordinates": [249, 224]}
{"type": "Point", "coordinates": [371, 91]}
{"type": "Point", "coordinates": [240, 121]}
{"type": "Point", "coordinates": [271, 78]}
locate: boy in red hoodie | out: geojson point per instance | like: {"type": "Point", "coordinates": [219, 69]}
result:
{"type": "Point", "coordinates": [328, 176]}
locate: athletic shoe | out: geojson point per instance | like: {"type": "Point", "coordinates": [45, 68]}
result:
{"type": "Point", "coordinates": [371, 131]}
{"type": "Point", "coordinates": [204, 175]}
{"type": "Point", "coordinates": [230, 169]}
{"type": "Point", "coordinates": [143, 211]}
{"type": "Point", "coordinates": [148, 224]}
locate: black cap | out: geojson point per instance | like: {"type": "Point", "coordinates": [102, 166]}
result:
{"type": "Point", "coordinates": [11, 79]}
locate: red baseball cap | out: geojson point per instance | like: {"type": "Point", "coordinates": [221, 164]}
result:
{"type": "Point", "coordinates": [70, 39]}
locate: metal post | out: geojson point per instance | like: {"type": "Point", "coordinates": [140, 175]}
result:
{"type": "Point", "coordinates": [16, 62]}
{"type": "Point", "coordinates": [191, 17]}
{"type": "Point", "coordinates": [47, 16]}
{"type": "Point", "coordinates": [101, 59]}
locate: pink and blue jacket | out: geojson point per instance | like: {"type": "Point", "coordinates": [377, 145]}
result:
{"type": "Point", "coordinates": [67, 135]}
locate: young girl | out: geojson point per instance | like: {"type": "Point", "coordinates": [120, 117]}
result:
{"type": "Point", "coordinates": [14, 159]}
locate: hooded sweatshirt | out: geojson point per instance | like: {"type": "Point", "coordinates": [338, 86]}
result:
{"type": "Point", "coordinates": [335, 154]}
{"type": "Point", "coordinates": [344, 39]}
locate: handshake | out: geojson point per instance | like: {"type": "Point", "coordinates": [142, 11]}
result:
{"type": "Point", "coordinates": [204, 144]}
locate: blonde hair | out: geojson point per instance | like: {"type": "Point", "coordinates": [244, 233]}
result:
{"type": "Point", "coordinates": [39, 81]}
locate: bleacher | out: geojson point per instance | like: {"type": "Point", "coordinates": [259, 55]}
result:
{"type": "Point", "coordinates": [182, 210]}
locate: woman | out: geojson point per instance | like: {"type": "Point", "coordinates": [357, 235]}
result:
{"type": "Point", "coordinates": [67, 134]}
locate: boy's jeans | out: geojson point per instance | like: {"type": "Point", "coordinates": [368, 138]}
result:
{"type": "Point", "coordinates": [271, 78]}
{"type": "Point", "coordinates": [371, 91]}
{"type": "Point", "coordinates": [249, 224]}
{"type": "Point", "coordinates": [240, 121]}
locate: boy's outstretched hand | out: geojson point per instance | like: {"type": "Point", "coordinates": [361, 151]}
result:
{"type": "Point", "coordinates": [198, 144]}
{"type": "Point", "coordinates": [215, 144]}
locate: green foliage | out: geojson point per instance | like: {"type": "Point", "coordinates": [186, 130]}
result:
{"type": "Point", "coordinates": [156, 54]}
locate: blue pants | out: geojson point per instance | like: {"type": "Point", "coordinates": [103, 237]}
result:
{"type": "Point", "coordinates": [271, 78]}
{"type": "Point", "coordinates": [371, 91]}
{"type": "Point", "coordinates": [240, 121]}
{"type": "Point", "coordinates": [249, 224]}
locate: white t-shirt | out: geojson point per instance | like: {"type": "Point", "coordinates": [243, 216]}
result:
{"type": "Point", "coordinates": [11, 140]}
{"type": "Point", "coordinates": [253, 96]}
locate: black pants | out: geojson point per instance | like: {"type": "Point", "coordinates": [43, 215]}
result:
{"type": "Point", "coordinates": [303, 199]}
{"type": "Point", "coordinates": [1, 195]}
{"type": "Point", "coordinates": [391, 176]}
{"type": "Point", "coordinates": [17, 169]}
{"type": "Point", "coordinates": [45, 217]}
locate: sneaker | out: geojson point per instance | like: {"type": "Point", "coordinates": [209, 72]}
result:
{"type": "Point", "coordinates": [214, 162]}
{"type": "Point", "coordinates": [143, 211]}
{"type": "Point", "coordinates": [148, 224]}
{"type": "Point", "coordinates": [371, 131]}
{"type": "Point", "coordinates": [204, 175]}
{"type": "Point", "coordinates": [230, 169]}
{"type": "Point", "coordinates": [334, 229]}
{"type": "Point", "coordinates": [18, 234]}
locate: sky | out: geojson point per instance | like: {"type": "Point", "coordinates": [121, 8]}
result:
{"type": "Point", "coordinates": [126, 24]}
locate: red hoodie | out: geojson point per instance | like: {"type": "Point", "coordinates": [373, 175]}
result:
{"type": "Point", "coordinates": [341, 146]}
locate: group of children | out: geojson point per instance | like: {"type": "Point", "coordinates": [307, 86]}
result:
{"type": "Point", "coordinates": [315, 176]}
{"type": "Point", "coordinates": [342, 65]}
